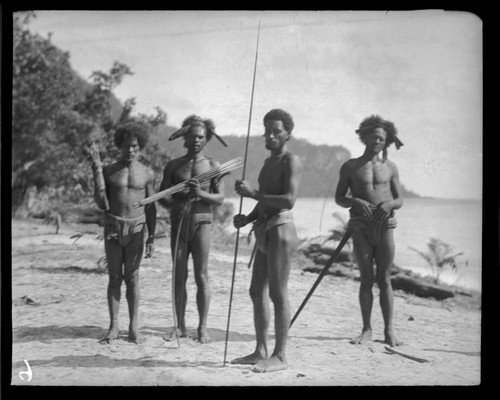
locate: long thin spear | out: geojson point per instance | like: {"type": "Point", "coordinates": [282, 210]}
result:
{"type": "Point", "coordinates": [334, 256]}
{"type": "Point", "coordinates": [241, 197]}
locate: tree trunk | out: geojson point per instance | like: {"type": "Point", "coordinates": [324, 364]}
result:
{"type": "Point", "coordinates": [20, 183]}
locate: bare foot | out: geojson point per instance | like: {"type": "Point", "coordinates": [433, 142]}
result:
{"type": "Point", "coordinates": [365, 337]}
{"type": "Point", "coordinates": [251, 359]}
{"type": "Point", "coordinates": [134, 337]}
{"type": "Point", "coordinates": [274, 363]}
{"type": "Point", "coordinates": [110, 336]}
{"type": "Point", "coordinates": [391, 340]}
{"type": "Point", "coordinates": [203, 336]}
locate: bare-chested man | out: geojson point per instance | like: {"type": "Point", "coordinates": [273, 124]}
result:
{"type": "Point", "coordinates": [276, 240]}
{"type": "Point", "coordinates": [117, 187]}
{"type": "Point", "coordinates": [375, 192]}
{"type": "Point", "coordinates": [191, 216]}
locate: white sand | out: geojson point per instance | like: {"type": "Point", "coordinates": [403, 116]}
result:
{"type": "Point", "coordinates": [59, 337]}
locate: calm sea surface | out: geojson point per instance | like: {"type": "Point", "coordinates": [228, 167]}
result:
{"type": "Point", "coordinates": [455, 222]}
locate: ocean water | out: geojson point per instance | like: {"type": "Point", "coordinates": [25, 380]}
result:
{"type": "Point", "coordinates": [455, 222]}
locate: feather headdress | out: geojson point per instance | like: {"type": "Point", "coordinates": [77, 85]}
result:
{"type": "Point", "coordinates": [194, 120]}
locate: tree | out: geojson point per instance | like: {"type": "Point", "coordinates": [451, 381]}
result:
{"type": "Point", "coordinates": [55, 114]}
{"type": "Point", "coordinates": [42, 94]}
{"type": "Point", "coordinates": [154, 155]}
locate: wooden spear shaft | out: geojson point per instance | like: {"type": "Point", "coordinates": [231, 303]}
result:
{"type": "Point", "coordinates": [241, 197]}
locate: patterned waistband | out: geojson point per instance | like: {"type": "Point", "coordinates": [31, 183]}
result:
{"type": "Point", "coordinates": [114, 218]}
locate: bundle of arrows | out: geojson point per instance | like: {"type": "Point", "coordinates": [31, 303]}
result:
{"type": "Point", "coordinates": [217, 172]}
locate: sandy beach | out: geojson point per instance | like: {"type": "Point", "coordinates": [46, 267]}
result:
{"type": "Point", "coordinates": [59, 312]}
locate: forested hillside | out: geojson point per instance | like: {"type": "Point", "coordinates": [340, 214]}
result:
{"type": "Point", "coordinates": [321, 164]}
{"type": "Point", "coordinates": [56, 114]}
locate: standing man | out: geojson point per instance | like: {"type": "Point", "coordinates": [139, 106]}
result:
{"type": "Point", "coordinates": [276, 240]}
{"type": "Point", "coordinates": [375, 192]}
{"type": "Point", "coordinates": [117, 187]}
{"type": "Point", "coordinates": [191, 216]}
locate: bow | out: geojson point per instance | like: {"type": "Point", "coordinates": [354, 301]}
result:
{"type": "Point", "coordinates": [174, 268]}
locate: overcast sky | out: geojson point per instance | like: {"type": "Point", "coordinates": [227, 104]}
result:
{"type": "Point", "coordinates": [329, 69]}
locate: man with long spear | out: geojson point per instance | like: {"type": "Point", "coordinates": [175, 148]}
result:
{"type": "Point", "coordinates": [276, 240]}
{"type": "Point", "coordinates": [191, 216]}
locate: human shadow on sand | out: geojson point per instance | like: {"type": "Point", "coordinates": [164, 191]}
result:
{"type": "Point", "coordinates": [103, 361]}
{"type": "Point", "coordinates": [24, 334]}
{"type": "Point", "coordinates": [216, 335]}
{"type": "Point", "coordinates": [465, 353]}
{"type": "Point", "coordinates": [320, 337]}
{"type": "Point", "coordinates": [71, 269]}
{"type": "Point", "coordinates": [47, 334]}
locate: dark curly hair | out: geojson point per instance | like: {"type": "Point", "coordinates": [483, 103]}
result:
{"type": "Point", "coordinates": [195, 120]}
{"type": "Point", "coordinates": [278, 114]}
{"type": "Point", "coordinates": [369, 124]}
{"type": "Point", "coordinates": [132, 129]}
{"type": "Point", "coordinates": [373, 122]}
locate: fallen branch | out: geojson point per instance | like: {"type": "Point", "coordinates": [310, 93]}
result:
{"type": "Point", "coordinates": [392, 351]}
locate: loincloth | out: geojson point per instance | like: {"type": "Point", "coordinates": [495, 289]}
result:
{"type": "Point", "coordinates": [264, 224]}
{"type": "Point", "coordinates": [371, 230]}
{"type": "Point", "coordinates": [123, 229]}
{"type": "Point", "coordinates": [191, 224]}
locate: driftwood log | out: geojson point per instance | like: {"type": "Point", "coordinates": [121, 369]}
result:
{"type": "Point", "coordinates": [419, 287]}
{"type": "Point", "coordinates": [401, 279]}
{"type": "Point", "coordinates": [337, 269]}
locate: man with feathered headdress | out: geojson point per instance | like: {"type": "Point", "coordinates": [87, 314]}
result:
{"type": "Point", "coordinates": [191, 216]}
{"type": "Point", "coordinates": [375, 192]}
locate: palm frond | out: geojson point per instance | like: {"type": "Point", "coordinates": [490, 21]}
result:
{"type": "Point", "coordinates": [426, 256]}
{"type": "Point", "coordinates": [438, 256]}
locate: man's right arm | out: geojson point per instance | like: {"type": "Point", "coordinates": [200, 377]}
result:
{"type": "Point", "coordinates": [360, 206]}
{"type": "Point", "coordinates": [165, 184]}
{"type": "Point", "coordinates": [342, 187]}
{"type": "Point", "coordinates": [100, 196]}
